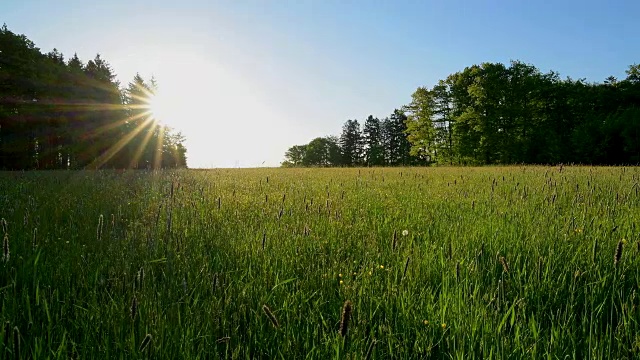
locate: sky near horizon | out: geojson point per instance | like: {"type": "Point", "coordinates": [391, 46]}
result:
{"type": "Point", "coordinates": [246, 80]}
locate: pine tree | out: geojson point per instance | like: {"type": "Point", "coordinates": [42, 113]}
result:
{"type": "Point", "coordinates": [351, 144]}
{"type": "Point", "coordinates": [372, 137]}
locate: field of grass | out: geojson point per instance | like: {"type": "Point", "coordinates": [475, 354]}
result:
{"type": "Point", "coordinates": [502, 263]}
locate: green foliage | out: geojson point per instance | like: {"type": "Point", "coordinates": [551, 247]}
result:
{"type": "Point", "coordinates": [352, 143]}
{"type": "Point", "coordinates": [378, 143]}
{"type": "Point", "coordinates": [372, 137]}
{"type": "Point", "coordinates": [394, 139]}
{"type": "Point", "coordinates": [494, 114]}
{"type": "Point", "coordinates": [295, 155]}
{"type": "Point", "coordinates": [496, 262]}
{"type": "Point", "coordinates": [322, 151]}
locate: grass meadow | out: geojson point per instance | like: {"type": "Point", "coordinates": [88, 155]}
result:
{"type": "Point", "coordinates": [413, 263]}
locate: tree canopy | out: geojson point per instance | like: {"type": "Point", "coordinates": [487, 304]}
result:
{"type": "Point", "coordinates": [377, 143]}
{"type": "Point", "coordinates": [65, 114]}
{"type": "Point", "coordinates": [494, 113]}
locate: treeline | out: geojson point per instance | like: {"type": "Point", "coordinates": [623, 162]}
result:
{"type": "Point", "coordinates": [65, 114]}
{"type": "Point", "coordinates": [497, 114]}
{"type": "Point", "coordinates": [374, 143]}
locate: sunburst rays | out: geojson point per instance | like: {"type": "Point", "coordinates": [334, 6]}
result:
{"type": "Point", "coordinates": [140, 118]}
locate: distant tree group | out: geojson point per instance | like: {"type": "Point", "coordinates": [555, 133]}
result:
{"type": "Point", "coordinates": [377, 143]}
{"type": "Point", "coordinates": [497, 114]}
{"type": "Point", "coordinates": [57, 114]}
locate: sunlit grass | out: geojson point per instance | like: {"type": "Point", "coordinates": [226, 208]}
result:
{"type": "Point", "coordinates": [510, 262]}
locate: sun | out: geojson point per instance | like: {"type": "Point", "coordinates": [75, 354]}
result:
{"type": "Point", "coordinates": [225, 118]}
{"type": "Point", "coordinates": [162, 108]}
{"type": "Point", "coordinates": [173, 106]}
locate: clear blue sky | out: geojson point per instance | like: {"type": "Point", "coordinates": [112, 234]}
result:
{"type": "Point", "coordinates": [260, 76]}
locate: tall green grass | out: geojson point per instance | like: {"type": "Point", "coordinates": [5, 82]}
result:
{"type": "Point", "coordinates": [503, 263]}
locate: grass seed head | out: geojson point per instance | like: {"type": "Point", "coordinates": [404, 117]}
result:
{"type": "Point", "coordinates": [346, 317]}
{"type": "Point", "coordinates": [133, 310]}
{"type": "Point", "coordinates": [505, 265]}
{"type": "Point", "coordinates": [214, 282]}
{"type": "Point", "coordinates": [270, 316]}
{"type": "Point", "coordinates": [406, 266]}
{"type": "Point", "coordinates": [618, 255]}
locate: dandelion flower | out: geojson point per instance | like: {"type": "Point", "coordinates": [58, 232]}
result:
{"type": "Point", "coordinates": [341, 282]}
{"type": "Point", "coordinates": [426, 322]}
{"type": "Point", "coordinates": [444, 326]}
{"type": "Point", "coordinates": [405, 232]}
{"type": "Point", "coordinates": [381, 266]}
{"type": "Point", "coordinates": [370, 272]}
{"type": "Point", "coordinates": [339, 275]}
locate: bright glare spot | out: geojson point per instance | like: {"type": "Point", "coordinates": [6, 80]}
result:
{"type": "Point", "coordinates": [161, 108]}
{"type": "Point", "coordinates": [226, 122]}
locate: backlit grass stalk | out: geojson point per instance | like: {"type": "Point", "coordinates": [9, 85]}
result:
{"type": "Point", "coordinates": [16, 342]}
{"type": "Point", "coordinates": [145, 342]}
{"type": "Point", "coordinates": [6, 252]}
{"type": "Point", "coordinates": [369, 354]}
{"type": "Point", "coordinates": [99, 228]}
